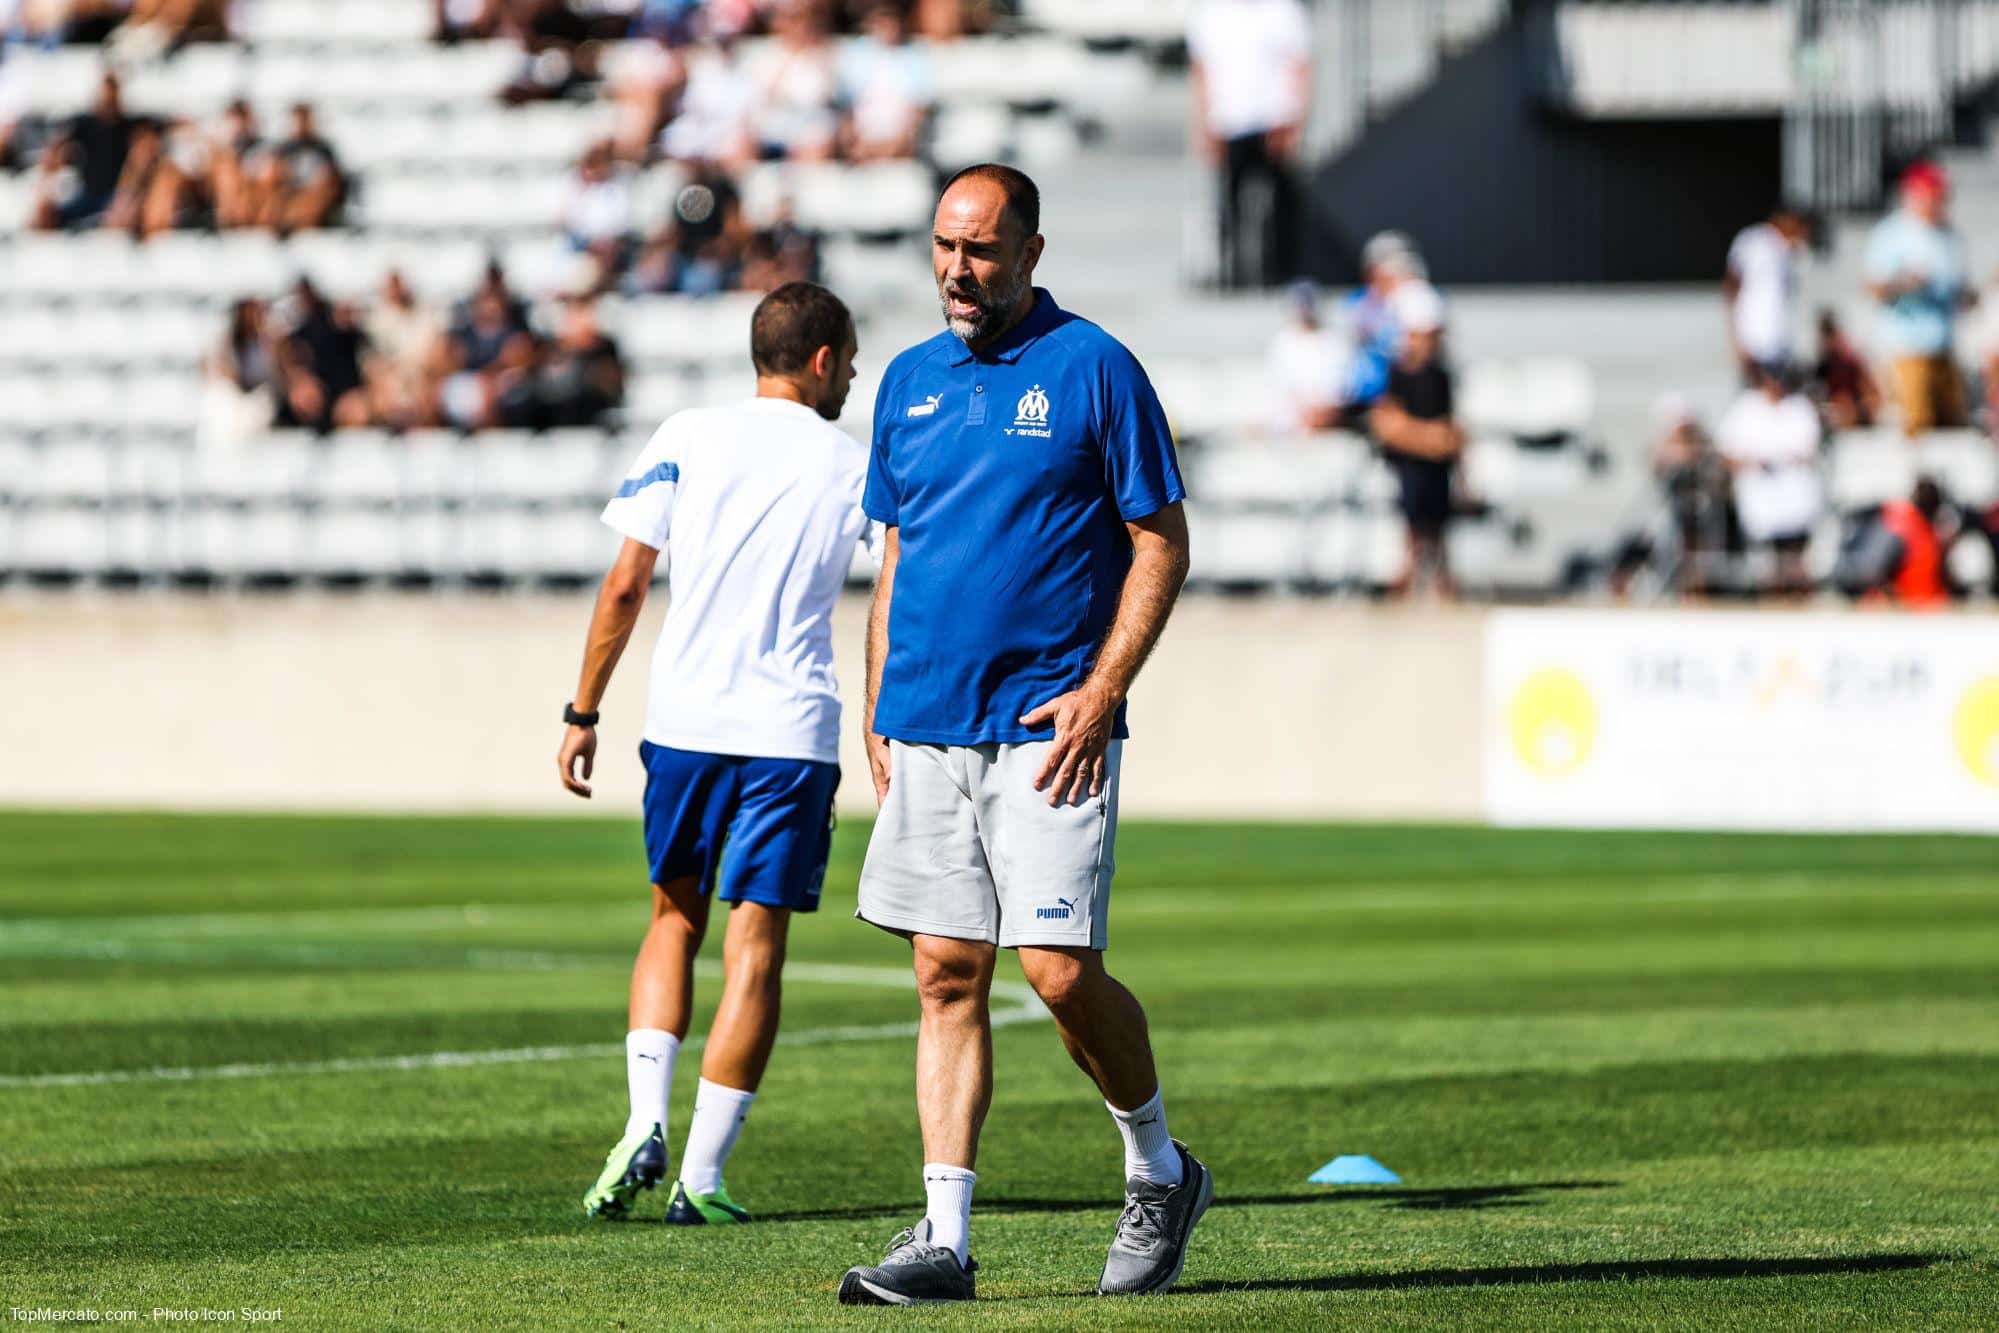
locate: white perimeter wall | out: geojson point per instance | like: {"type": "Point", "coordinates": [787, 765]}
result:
{"type": "Point", "coordinates": [1256, 709]}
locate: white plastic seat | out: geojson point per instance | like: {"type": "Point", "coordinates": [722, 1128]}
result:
{"type": "Point", "coordinates": [163, 404]}
{"type": "Point", "coordinates": [364, 543]}
{"type": "Point", "coordinates": [60, 540]}
{"type": "Point", "coordinates": [1871, 468]}
{"type": "Point", "coordinates": [1964, 463]}
{"type": "Point", "coordinates": [78, 470]}
{"type": "Point", "coordinates": [1264, 550]}
{"type": "Point", "coordinates": [260, 471]}
{"type": "Point", "coordinates": [357, 468]}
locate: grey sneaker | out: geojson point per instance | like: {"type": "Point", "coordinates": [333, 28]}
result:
{"type": "Point", "coordinates": [1150, 1247]}
{"type": "Point", "coordinates": [915, 1272]}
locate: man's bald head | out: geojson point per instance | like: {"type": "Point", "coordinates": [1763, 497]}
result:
{"type": "Point", "coordinates": [985, 244]}
{"type": "Point", "coordinates": [1019, 197]}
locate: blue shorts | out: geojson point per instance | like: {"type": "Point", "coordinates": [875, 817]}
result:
{"type": "Point", "coordinates": [759, 828]}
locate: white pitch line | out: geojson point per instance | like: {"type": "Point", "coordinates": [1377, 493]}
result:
{"type": "Point", "coordinates": [1027, 1009]}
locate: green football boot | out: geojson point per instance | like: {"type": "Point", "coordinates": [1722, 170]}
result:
{"type": "Point", "coordinates": [687, 1209]}
{"type": "Point", "coordinates": [637, 1163]}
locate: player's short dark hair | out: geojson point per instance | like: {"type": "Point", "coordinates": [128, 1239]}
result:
{"type": "Point", "coordinates": [1023, 196]}
{"type": "Point", "coordinates": [793, 323]}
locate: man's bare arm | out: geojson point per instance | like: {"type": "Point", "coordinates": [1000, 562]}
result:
{"type": "Point", "coordinates": [1160, 554]}
{"type": "Point", "coordinates": [878, 654]}
{"type": "Point", "coordinates": [1085, 717]}
{"type": "Point", "coordinates": [619, 601]}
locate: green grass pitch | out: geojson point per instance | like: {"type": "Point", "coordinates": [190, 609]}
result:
{"type": "Point", "coordinates": [1630, 1081]}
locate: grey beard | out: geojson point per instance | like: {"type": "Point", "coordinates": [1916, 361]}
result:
{"type": "Point", "coordinates": [1000, 301]}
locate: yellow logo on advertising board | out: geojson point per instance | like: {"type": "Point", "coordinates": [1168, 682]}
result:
{"type": "Point", "coordinates": [1976, 729]}
{"type": "Point", "coordinates": [1553, 722]}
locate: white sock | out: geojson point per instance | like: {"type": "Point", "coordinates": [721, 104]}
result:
{"type": "Point", "coordinates": [949, 1210]}
{"type": "Point", "coordinates": [649, 1054]}
{"type": "Point", "coordinates": [1149, 1153]}
{"type": "Point", "coordinates": [719, 1113]}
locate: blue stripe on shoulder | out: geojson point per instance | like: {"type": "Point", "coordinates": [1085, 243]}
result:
{"type": "Point", "coordinates": [660, 472]}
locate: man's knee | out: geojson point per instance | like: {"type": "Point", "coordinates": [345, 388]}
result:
{"type": "Point", "coordinates": [754, 949]}
{"type": "Point", "coordinates": [680, 916]}
{"type": "Point", "coordinates": [952, 974]}
{"type": "Point", "coordinates": [1063, 978]}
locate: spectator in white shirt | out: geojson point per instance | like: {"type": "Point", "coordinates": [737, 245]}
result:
{"type": "Point", "coordinates": [797, 86]}
{"type": "Point", "coordinates": [1769, 439]}
{"type": "Point", "coordinates": [598, 216]}
{"type": "Point", "coordinates": [885, 85]}
{"type": "Point", "coordinates": [1252, 80]}
{"type": "Point", "coordinates": [1308, 368]}
{"type": "Point", "coordinates": [715, 122]}
{"type": "Point", "coordinates": [1758, 286]}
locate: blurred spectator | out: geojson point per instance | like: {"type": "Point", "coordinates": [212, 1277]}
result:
{"type": "Point", "coordinates": [886, 87]}
{"type": "Point", "coordinates": [1388, 261]}
{"type": "Point", "coordinates": [717, 115]}
{"type": "Point", "coordinates": [1415, 423]}
{"type": "Point", "coordinates": [488, 362]}
{"type": "Point", "coordinates": [702, 247]}
{"type": "Point", "coordinates": [651, 78]}
{"type": "Point", "coordinates": [797, 86]}
{"type": "Point", "coordinates": [1769, 439]}
{"type": "Point", "coordinates": [1758, 287]}
{"type": "Point", "coordinates": [403, 348]}
{"type": "Point", "coordinates": [1696, 517]}
{"type": "Point", "coordinates": [237, 399]}
{"type": "Point", "coordinates": [1841, 381]}
{"type": "Point", "coordinates": [466, 20]}
{"type": "Point", "coordinates": [582, 373]}
{"type": "Point", "coordinates": [780, 253]}
{"type": "Point", "coordinates": [230, 153]}
{"type": "Point", "coordinates": [1917, 270]}
{"type": "Point", "coordinates": [1252, 85]}
{"type": "Point", "coordinates": [156, 27]}
{"type": "Point", "coordinates": [299, 183]}
{"type": "Point", "coordinates": [84, 162]}
{"type": "Point", "coordinates": [1920, 577]}
{"type": "Point", "coordinates": [598, 217]}
{"type": "Point", "coordinates": [1308, 365]}
{"type": "Point", "coordinates": [319, 364]}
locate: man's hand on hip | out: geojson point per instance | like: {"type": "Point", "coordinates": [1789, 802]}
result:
{"type": "Point", "coordinates": [577, 743]}
{"type": "Point", "coordinates": [878, 764]}
{"type": "Point", "coordinates": [1084, 719]}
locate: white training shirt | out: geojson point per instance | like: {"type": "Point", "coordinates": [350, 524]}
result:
{"type": "Point", "coordinates": [1249, 52]}
{"type": "Point", "coordinates": [758, 508]}
{"type": "Point", "coordinates": [1776, 445]}
{"type": "Point", "coordinates": [1766, 266]}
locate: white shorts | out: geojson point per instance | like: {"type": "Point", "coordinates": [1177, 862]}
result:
{"type": "Point", "coordinates": [965, 847]}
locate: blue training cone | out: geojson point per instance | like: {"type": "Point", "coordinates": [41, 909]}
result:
{"type": "Point", "coordinates": [1354, 1169]}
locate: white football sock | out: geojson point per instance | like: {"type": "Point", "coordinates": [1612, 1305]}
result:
{"type": "Point", "coordinates": [649, 1054]}
{"type": "Point", "coordinates": [1149, 1153]}
{"type": "Point", "coordinates": [949, 1210]}
{"type": "Point", "coordinates": [719, 1113]}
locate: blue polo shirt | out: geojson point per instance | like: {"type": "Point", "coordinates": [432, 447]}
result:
{"type": "Point", "coordinates": [1010, 474]}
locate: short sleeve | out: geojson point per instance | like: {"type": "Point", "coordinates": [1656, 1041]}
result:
{"type": "Point", "coordinates": [642, 507]}
{"type": "Point", "coordinates": [1140, 464]}
{"type": "Point", "coordinates": [879, 498]}
{"type": "Point", "coordinates": [1737, 252]}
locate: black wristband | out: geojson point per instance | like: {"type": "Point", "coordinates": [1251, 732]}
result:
{"type": "Point", "coordinates": [576, 719]}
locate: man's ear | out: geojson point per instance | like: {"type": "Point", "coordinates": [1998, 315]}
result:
{"type": "Point", "coordinates": [822, 363]}
{"type": "Point", "coordinates": [1031, 252]}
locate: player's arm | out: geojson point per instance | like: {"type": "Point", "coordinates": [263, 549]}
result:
{"type": "Point", "coordinates": [877, 654]}
{"type": "Point", "coordinates": [1085, 717]}
{"type": "Point", "coordinates": [619, 601]}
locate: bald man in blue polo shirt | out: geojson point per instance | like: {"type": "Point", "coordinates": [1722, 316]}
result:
{"type": "Point", "coordinates": [1035, 545]}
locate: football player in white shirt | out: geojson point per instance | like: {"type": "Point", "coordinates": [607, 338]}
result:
{"type": "Point", "coordinates": [760, 504]}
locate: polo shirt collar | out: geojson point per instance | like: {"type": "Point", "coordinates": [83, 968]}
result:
{"type": "Point", "coordinates": [1019, 338]}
